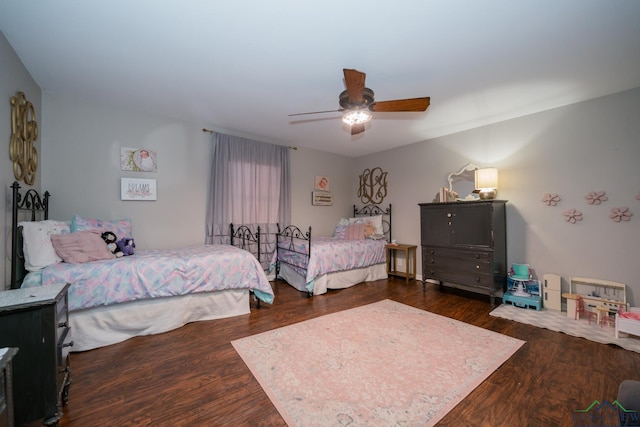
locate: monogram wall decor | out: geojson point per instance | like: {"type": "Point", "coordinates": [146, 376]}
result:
{"type": "Point", "coordinates": [373, 186]}
{"type": "Point", "coordinates": [24, 131]}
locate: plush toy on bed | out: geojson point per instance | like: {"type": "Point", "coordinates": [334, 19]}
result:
{"type": "Point", "coordinates": [126, 245]}
{"type": "Point", "coordinates": [111, 241]}
{"type": "Point", "coordinates": [369, 229]}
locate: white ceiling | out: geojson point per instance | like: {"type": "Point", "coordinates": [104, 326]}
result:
{"type": "Point", "coordinates": [242, 66]}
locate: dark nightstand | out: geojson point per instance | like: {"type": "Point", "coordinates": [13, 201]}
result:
{"type": "Point", "coordinates": [36, 321]}
{"type": "Point", "coordinates": [6, 387]}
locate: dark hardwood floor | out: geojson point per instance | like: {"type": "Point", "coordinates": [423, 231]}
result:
{"type": "Point", "coordinates": [193, 377]}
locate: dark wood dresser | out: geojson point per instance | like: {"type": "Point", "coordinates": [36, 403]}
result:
{"type": "Point", "coordinates": [35, 320]}
{"type": "Point", "coordinates": [6, 387]}
{"type": "Point", "coordinates": [464, 245]}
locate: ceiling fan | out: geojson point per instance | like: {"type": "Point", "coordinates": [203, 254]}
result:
{"type": "Point", "coordinates": [358, 102]}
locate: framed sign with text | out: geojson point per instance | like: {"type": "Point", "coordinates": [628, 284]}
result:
{"type": "Point", "coordinates": [137, 189]}
{"type": "Point", "coordinates": [321, 198]}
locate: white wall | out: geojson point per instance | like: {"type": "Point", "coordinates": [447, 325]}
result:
{"type": "Point", "coordinates": [15, 78]}
{"type": "Point", "coordinates": [81, 169]}
{"type": "Point", "coordinates": [589, 146]}
{"type": "Point", "coordinates": [306, 164]}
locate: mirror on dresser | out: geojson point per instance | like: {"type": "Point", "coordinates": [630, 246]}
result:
{"type": "Point", "coordinates": [462, 182]}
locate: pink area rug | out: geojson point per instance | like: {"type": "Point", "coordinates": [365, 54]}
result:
{"type": "Point", "coordinates": [380, 364]}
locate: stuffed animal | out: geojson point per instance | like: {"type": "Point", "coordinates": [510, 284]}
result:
{"type": "Point", "coordinates": [126, 245]}
{"type": "Point", "coordinates": [369, 229]}
{"type": "Point", "coordinates": [111, 241]}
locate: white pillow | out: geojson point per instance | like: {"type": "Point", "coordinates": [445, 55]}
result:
{"type": "Point", "coordinates": [375, 220]}
{"type": "Point", "coordinates": [36, 242]}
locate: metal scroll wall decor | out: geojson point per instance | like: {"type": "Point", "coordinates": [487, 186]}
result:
{"type": "Point", "coordinates": [24, 131]}
{"type": "Point", "coordinates": [373, 186]}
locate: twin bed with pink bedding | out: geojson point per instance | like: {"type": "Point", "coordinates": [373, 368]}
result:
{"type": "Point", "coordinates": [349, 257]}
{"type": "Point", "coordinates": [150, 292]}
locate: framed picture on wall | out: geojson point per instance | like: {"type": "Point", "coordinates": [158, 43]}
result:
{"type": "Point", "coordinates": [321, 198]}
{"type": "Point", "coordinates": [322, 183]}
{"type": "Point", "coordinates": [138, 160]}
{"type": "Point", "coordinates": [137, 189]}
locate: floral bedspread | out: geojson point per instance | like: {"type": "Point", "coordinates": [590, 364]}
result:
{"type": "Point", "coordinates": [157, 273]}
{"type": "Point", "coordinates": [331, 254]}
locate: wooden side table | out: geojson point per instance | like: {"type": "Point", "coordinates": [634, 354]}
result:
{"type": "Point", "coordinates": [409, 258]}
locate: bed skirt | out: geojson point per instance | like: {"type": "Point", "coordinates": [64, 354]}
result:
{"type": "Point", "coordinates": [101, 326]}
{"type": "Point", "coordinates": [337, 280]}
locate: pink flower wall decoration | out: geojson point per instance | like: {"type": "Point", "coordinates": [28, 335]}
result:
{"type": "Point", "coordinates": [550, 199]}
{"type": "Point", "coordinates": [572, 216]}
{"type": "Point", "coordinates": [620, 214]}
{"type": "Point", "coordinates": [596, 197]}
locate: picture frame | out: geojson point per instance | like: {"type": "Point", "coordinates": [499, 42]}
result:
{"type": "Point", "coordinates": [321, 183]}
{"type": "Point", "coordinates": [321, 198]}
{"type": "Point", "coordinates": [138, 160]}
{"type": "Point", "coordinates": [138, 189]}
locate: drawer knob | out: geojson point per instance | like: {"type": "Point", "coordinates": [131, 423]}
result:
{"type": "Point", "coordinates": [478, 279]}
{"type": "Point", "coordinates": [449, 216]}
{"type": "Point", "coordinates": [477, 256]}
{"type": "Point", "coordinates": [477, 267]}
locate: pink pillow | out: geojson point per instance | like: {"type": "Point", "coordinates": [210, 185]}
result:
{"type": "Point", "coordinates": [121, 227]}
{"type": "Point", "coordinates": [81, 246]}
{"type": "Point", "coordinates": [355, 232]}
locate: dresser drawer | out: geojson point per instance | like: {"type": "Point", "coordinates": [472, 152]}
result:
{"type": "Point", "coordinates": [461, 277]}
{"type": "Point", "coordinates": [461, 267]}
{"type": "Point", "coordinates": [458, 254]}
{"type": "Point", "coordinates": [464, 278]}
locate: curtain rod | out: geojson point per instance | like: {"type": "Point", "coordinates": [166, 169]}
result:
{"type": "Point", "coordinates": [212, 132]}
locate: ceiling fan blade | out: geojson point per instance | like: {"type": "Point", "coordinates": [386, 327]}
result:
{"type": "Point", "coordinates": [317, 112]}
{"type": "Point", "coordinates": [356, 129]}
{"type": "Point", "coordinates": [413, 104]}
{"type": "Point", "coordinates": [354, 80]}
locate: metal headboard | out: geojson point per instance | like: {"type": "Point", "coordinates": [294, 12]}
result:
{"type": "Point", "coordinates": [30, 201]}
{"type": "Point", "coordinates": [373, 210]}
{"type": "Point", "coordinates": [244, 238]}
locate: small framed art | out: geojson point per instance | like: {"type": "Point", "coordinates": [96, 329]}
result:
{"type": "Point", "coordinates": [137, 189]}
{"type": "Point", "coordinates": [322, 183]}
{"type": "Point", "coordinates": [321, 198]}
{"type": "Point", "coordinates": [138, 160]}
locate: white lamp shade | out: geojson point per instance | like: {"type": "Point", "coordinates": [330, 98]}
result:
{"type": "Point", "coordinates": [486, 178]}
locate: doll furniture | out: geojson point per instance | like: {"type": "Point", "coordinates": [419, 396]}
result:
{"type": "Point", "coordinates": [599, 296]}
{"type": "Point", "coordinates": [522, 290]}
{"type": "Point", "coordinates": [520, 274]}
{"type": "Point", "coordinates": [582, 311]}
{"type": "Point", "coordinates": [628, 322]}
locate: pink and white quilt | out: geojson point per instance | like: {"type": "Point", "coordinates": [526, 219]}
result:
{"type": "Point", "coordinates": [331, 254]}
{"type": "Point", "coordinates": [157, 273]}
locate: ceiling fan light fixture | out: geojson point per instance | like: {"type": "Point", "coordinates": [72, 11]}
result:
{"type": "Point", "coordinates": [356, 117]}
